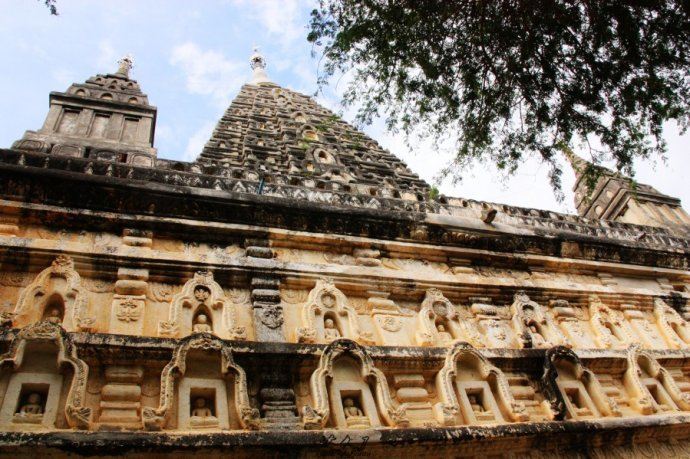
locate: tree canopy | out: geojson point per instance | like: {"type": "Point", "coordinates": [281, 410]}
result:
{"type": "Point", "coordinates": [504, 80]}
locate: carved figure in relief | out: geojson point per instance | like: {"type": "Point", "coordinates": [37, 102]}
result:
{"type": "Point", "coordinates": [474, 403]}
{"type": "Point", "coordinates": [33, 405]}
{"type": "Point", "coordinates": [54, 316]}
{"type": "Point", "coordinates": [201, 324]}
{"type": "Point", "coordinates": [330, 332]}
{"type": "Point", "coordinates": [354, 415]}
{"type": "Point", "coordinates": [443, 336]}
{"type": "Point", "coordinates": [201, 409]}
{"type": "Point", "coordinates": [201, 293]}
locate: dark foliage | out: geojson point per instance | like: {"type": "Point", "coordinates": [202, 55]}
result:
{"type": "Point", "coordinates": [51, 5]}
{"type": "Point", "coordinates": [506, 80]}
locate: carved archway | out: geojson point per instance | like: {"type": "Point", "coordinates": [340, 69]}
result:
{"type": "Point", "coordinates": [434, 309]}
{"type": "Point", "coordinates": [611, 330]}
{"type": "Point", "coordinates": [448, 409]}
{"type": "Point", "coordinates": [202, 291]}
{"type": "Point", "coordinates": [674, 329]}
{"type": "Point", "coordinates": [36, 297]}
{"type": "Point", "coordinates": [326, 299]}
{"type": "Point", "coordinates": [156, 418]}
{"type": "Point", "coordinates": [643, 375]}
{"type": "Point", "coordinates": [537, 329]}
{"type": "Point", "coordinates": [78, 416]}
{"type": "Point", "coordinates": [317, 416]}
{"type": "Point", "coordinates": [555, 391]}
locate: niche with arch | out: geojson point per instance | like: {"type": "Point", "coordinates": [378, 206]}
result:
{"type": "Point", "coordinates": [611, 330]}
{"type": "Point", "coordinates": [473, 391]}
{"type": "Point", "coordinates": [44, 381]}
{"type": "Point", "coordinates": [349, 392]}
{"type": "Point", "coordinates": [673, 327]}
{"type": "Point", "coordinates": [574, 391]}
{"type": "Point", "coordinates": [202, 296]}
{"type": "Point", "coordinates": [202, 388]}
{"type": "Point", "coordinates": [438, 323]}
{"type": "Point", "coordinates": [326, 304]}
{"type": "Point", "coordinates": [55, 295]}
{"type": "Point", "coordinates": [653, 388]}
{"type": "Point", "coordinates": [537, 329]}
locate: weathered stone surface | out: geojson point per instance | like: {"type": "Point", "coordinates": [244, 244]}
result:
{"type": "Point", "coordinates": [296, 289]}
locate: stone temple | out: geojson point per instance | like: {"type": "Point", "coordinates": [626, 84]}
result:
{"type": "Point", "coordinates": [297, 290]}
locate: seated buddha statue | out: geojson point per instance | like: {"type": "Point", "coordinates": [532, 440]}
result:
{"type": "Point", "coordinates": [443, 336]}
{"type": "Point", "coordinates": [201, 324]}
{"type": "Point", "coordinates": [330, 332]}
{"type": "Point", "coordinates": [480, 413]}
{"type": "Point", "coordinates": [202, 416]}
{"type": "Point", "coordinates": [31, 411]}
{"type": "Point", "coordinates": [354, 417]}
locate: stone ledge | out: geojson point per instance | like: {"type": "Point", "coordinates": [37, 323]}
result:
{"type": "Point", "coordinates": [431, 442]}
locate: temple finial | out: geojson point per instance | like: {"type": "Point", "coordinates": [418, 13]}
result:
{"type": "Point", "coordinates": [126, 64]}
{"type": "Point", "coordinates": [258, 65]}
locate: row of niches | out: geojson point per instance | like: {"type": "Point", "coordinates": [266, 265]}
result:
{"type": "Point", "coordinates": [106, 94]}
{"type": "Point", "coordinates": [125, 156]}
{"type": "Point", "coordinates": [323, 314]}
{"type": "Point", "coordinates": [45, 385]}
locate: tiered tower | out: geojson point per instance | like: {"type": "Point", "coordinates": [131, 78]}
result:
{"type": "Point", "coordinates": [297, 288]}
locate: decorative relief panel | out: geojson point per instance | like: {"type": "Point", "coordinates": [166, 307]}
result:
{"type": "Point", "coordinates": [156, 419]}
{"type": "Point", "coordinates": [574, 391]}
{"type": "Point", "coordinates": [439, 324]}
{"type": "Point", "coordinates": [473, 391]}
{"type": "Point", "coordinates": [348, 391]}
{"type": "Point", "coordinates": [41, 386]}
{"type": "Point", "coordinates": [57, 295]}
{"type": "Point", "coordinates": [327, 316]}
{"type": "Point", "coordinates": [535, 325]}
{"type": "Point", "coordinates": [202, 306]}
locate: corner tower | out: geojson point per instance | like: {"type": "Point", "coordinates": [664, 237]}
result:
{"type": "Point", "coordinates": [616, 197]}
{"type": "Point", "coordinates": [107, 117]}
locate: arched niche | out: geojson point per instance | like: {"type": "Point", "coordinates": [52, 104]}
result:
{"type": "Point", "coordinates": [203, 366]}
{"type": "Point", "coordinates": [473, 391]}
{"type": "Point", "coordinates": [326, 301]}
{"type": "Point", "coordinates": [44, 381]}
{"type": "Point", "coordinates": [346, 371]}
{"type": "Point", "coordinates": [538, 330]}
{"type": "Point", "coordinates": [673, 327]}
{"type": "Point", "coordinates": [611, 330]}
{"type": "Point", "coordinates": [56, 287]}
{"type": "Point", "coordinates": [202, 294]}
{"type": "Point", "coordinates": [652, 387]}
{"type": "Point", "coordinates": [574, 391]}
{"type": "Point", "coordinates": [438, 323]}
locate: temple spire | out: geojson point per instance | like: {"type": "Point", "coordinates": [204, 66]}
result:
{"type": "Point", "coordinates": [258, 65]}
{"type": "Point", "coordinates": [125, 65]}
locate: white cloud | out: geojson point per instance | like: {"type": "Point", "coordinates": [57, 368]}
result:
{"type": "Point", "coordinates": [209, 72]}
{"type": "Point", "coordinates": [107, 57]}
{"type": "Point", "coordinates": [198, 140]}
{"type": "Point", "coordinates": [282, 19]}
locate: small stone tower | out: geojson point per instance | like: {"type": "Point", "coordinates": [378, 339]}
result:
{"type": "Point", "coordinates": [107, 117]}
{"type": "Point", "coordinates": [616, 197]}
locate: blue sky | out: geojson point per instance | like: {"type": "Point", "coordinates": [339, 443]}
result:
{"type": "Point", "coordinates": [191, 57]}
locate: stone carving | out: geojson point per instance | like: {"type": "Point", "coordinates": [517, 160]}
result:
{"type": "Point", "coordinates": [492, 387]}
{"type": "Point", "coordinates": [494, 326]}
{"type": "Point", "coordinates": [673, 327]}
{"type": "Point", "coordinates": [316, 416]}
{"type": "Point", "coordinates": [437, 310]}
{"type": "Point", "coordinates": [128, 311]}
{"type": "Point", "coordinates": [537, 328]}
{"type": "Point", "coordinates": [162, 293]}
{"type": "Point", "coordinates": [78, 416]}
{"type": "Point", "coordinates": [42, 293]}
{"type": "Point", "coordinates": [574, 324]}
{"type": "Point", "coordinates": [156, 418]}
{"type": "Point", "coordinates": [652, 387]}
{"type": "Point", "coordinates": [272, 315]}
{"type": "Point", "coordinates": [325, 302]}
{"type": "Point", "coordinates": [611, 330]}
{"type": "Point", "coordinates": [573, 390]}
{"type": "Point", "coordinates": [202, 293]}
{"type": "Point", "coordinates": [201, 324]}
